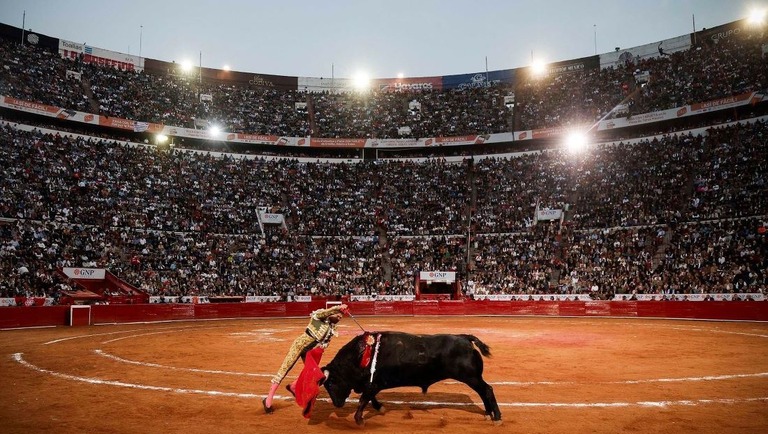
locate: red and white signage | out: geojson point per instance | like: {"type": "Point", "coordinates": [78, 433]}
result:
{"type": "Point", "coordinates": [100, 56]}
{"type": "Point", "coordinates": [438, 276]}
{"type": "Point", "coordinates": [85, 273]}
{"type": "Point", "coordinates": [549, 214]}
{"type": "Point", "coordinates": [270, 218]}
{"type": "Point", "coordinates": [536, 297]}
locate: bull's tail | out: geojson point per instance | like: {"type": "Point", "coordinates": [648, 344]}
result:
{"type": "Point", "coordinates": [484, 349]}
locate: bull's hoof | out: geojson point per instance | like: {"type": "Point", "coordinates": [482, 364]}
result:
{"type": "Point", "coordinates": [360, 421]}
{"type": "Point", "coordinates": [268, 410]}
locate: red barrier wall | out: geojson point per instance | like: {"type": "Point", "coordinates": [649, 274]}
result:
{"type": "Point", "coordinates": [34, 316]}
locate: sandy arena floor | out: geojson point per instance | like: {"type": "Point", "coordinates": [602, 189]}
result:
{"type": "Point", "coordinates": [550, 375]}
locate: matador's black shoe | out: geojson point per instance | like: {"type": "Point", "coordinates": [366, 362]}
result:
{"type": "Point", "coordinates": [267, 410]}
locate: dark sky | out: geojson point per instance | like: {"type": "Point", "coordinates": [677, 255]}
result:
{"type": "Point", "coordinates": [382, 37]}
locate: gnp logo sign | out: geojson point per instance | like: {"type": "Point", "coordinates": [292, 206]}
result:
{"type": "Point", "coordinates": [85, 273]}
{"type": "Point", "coordinates": [438, 276]}
{"type": "Point", "coordinates": [270, 218]}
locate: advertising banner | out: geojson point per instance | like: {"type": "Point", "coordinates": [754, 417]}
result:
{"type": "Point", "coordinates": [408, 84]}
{"type": "Point", "coordinates": [716, 34]}
{"type": "Point", "coordinates": [536, 297]}
{"type": "Point", "coordinates": [270, 218]}
{"type": "Point", "coordinates": [331, 85]}
{"type": "Point", "coordinates": [336, 143]}
{"type": "Point", "coordinates": [129, 125]}
{"type": "Point", "coordinates": [684, 111]}
{"type": "Point", "coordinates": [457, 140]}
{"type": "Point", "coordinates": [262, 298]}
{"type": "Point", "coordinates": [630, 56]}
{"type": "Point", "coordinates": [12, 33]}
{"type": "Point", "coordinates": [725, 103]}
{"type": "Point", "coordinates": [252, 138]}
{"type": "Point", "coordinates": [438, 276]}
{"type": "Point", "coordinates": [479, 79]}
{"type": "Point", "coordinates": [255, 80]}
{"type": "Point", "coordinates": [393, 143]}
{"type": "Point", "coordinates": [523, 135]}
{"type": "Point", "coordinates": [100, 56]}
{"type": "Point", "coordinates": [575, 65]}
{"type": "Point", "coordinates": [549, 214]}
{"type": "Point", "coordinates": [385, 297]}
{"type": "Point", "coordinates": [546, 133]}
{"type": "Point", "coordinates": [31, 107]}
{"type": "Point", "coordinates": [85, 273]}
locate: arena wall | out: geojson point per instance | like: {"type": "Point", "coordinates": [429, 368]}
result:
{"type": "Point", "coordinates": [49, 316]}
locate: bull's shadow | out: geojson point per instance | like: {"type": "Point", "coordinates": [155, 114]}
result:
{"type": "Point", "coordinates": [392, 401]}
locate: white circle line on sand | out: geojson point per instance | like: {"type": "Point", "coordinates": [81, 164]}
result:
{"type": "Point", "coordinates": [69, 338]}
{"type": "Point", "coordinates": [55, 341]}
{"type": "Point", "coordinates": [139, 335]}
{"type": "Point", "coordinates": [498, 383]}
{"type": "Point", "coordinates": [18, 357]}
{"type": "Point", "coordinates": [174, 368]}
{"type": "Point", "coordinates": [492, 383]}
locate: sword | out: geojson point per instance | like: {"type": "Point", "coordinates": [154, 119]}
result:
{"type": "Point", "coordinates": [353, 319]}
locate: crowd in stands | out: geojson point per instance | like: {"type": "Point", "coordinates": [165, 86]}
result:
{"type": "Point", "coordinates": [36, 75]}
{"type": "Point", "coordinates": [704, 72]}
{"type": "Point", "coordinates": [680, 214]}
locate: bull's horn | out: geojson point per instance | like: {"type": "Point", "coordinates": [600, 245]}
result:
{"type": "Point", "coordinates": [326, 373]}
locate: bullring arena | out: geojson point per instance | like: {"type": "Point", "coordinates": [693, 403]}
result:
{"type": "Point", "coordinates": [600, 222]}
{"type": "Point", "coordinates": [549, 375]}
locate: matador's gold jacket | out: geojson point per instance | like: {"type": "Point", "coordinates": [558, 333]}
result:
{"type": "Point", "coordinates": [320, 328]}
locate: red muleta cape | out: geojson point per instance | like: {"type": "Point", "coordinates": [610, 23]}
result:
{"type": "Point", "coordinates": [308, 384]}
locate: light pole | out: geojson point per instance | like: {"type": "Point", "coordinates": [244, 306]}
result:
{"type": "Point", "coordinates": [594, 26]}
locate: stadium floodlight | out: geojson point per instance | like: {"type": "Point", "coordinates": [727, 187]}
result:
{"type": "Point", "coordinates": [161, 138]}
{"type": "Point", "coordinates": [361, 81]}
{"type": "Point", "coordinates": [400, 75]}
{"type": "Point", "coordinates": [756, 17]}
{"type": "Point", "coordinates": [226, 67]}
{"type": "Point", "coordinates": [214, 131]}
{"type": "Point", "coordinates": [539, 67]}
{"type": "Point", "coordinates": [576, 142]}
{"type": "Point", "coordinates": [186, 65]}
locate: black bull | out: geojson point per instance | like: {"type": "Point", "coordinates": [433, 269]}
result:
{"type": "Point", "coordinates": [408, 360]}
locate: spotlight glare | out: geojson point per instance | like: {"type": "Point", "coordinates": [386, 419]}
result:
{"type": "Point", "coordinates": [400, 75]}
{"type": "Point", "coordinates": [539, 67]}
{"type": "Point", "coordinates": [361, 81]}
{"type": "Point", "coordinates": [161, 138]}
{"type": "Point", "coordinates": [214, 131]}
{"type": "Point", "coordinates": [186, 65]}
{"type": "Point", "coordinates": [576, 142]}
{"type": "Point", "coordinates": [226, 67]}
{"type": "Point", "coordinates": [756, 17]}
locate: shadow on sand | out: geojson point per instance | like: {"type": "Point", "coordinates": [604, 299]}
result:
{"type": "Point", "coordinates": [403, 402]}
